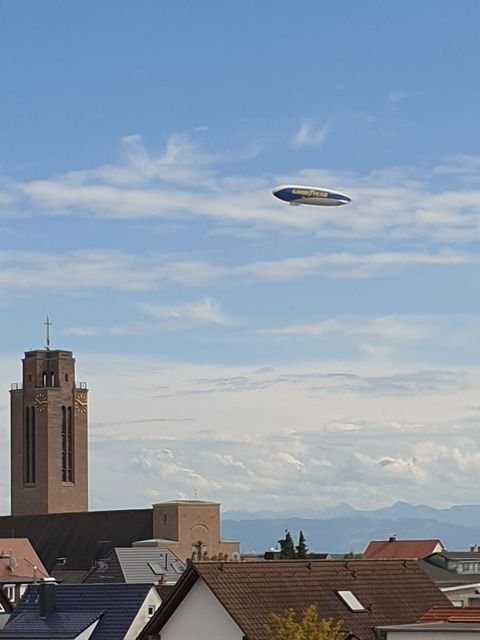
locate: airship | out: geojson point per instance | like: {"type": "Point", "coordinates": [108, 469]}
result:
{"type": "Point", "coordinates": [297, 194]}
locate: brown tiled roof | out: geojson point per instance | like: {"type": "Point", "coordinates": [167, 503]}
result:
{"type": "Point", "coordinates": [393, 592]}
{"type": "Point", "coordinates": [451, 614]}
{"type": "Point", "coordinates": [18, 559]}
{"type": "Point", "coordinates": [399, 549]}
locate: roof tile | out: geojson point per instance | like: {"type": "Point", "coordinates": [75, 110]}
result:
{"type": "Point", "coordinates": [393, 592]}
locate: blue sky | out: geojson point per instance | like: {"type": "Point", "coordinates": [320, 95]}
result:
{"type": "Point", "coordinates": [235, 346]}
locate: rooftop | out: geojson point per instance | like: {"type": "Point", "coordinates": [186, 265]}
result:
{"type": "Point", "coordinates": [364, 594]}
{"type": "Point", "coordinates": [76, 608]}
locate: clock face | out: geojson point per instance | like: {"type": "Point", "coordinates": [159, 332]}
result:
{"type": "Point", "coordinates": [81, 403]}
{"type": "Point", "coordinates": [40, 400]}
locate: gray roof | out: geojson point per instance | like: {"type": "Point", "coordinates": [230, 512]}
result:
{"type": "Point", "coordinates": [441, 625]}
{"type": "Point", "coordinates": [138, 565]}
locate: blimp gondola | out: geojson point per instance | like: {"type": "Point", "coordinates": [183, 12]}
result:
{"type": "Point", "coordinates": [297, 194]}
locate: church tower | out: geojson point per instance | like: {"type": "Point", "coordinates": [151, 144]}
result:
{"type": "Point", "coordinates": [49, 440]}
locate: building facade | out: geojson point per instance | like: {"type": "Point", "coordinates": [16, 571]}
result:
{"type": "Point", "coordinates": [49, 436]}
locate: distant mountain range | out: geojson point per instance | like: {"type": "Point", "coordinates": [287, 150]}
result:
{"type": "Point", "coordinates": [343, 528]}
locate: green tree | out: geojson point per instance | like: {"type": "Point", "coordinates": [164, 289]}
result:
{"type": "Point", "coordinates": [309, 627]}
{"type": "Point", "coordinates": [301, 547]}
{"type": "Point", "coordinates": [287, 548]}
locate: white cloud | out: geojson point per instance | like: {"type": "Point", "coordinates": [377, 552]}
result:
{"type": "Point", "coordinates": [200, 311]}
{"type": "Point", "coordinates": [183, 182]}
{"type": "Point", "coordinates": [311, 134]}
{"type": "Point", "coordinates": [395, 97]}
{"type": "Point", "coordinates": [464, 166]}
{"type": "Point", "coordinates": [348, 265]}
{"type": "Point", "coordinates": [272, 448]}
{"type": "Point", "coordinates": [83, 272]}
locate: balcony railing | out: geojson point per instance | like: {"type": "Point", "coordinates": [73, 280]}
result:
{"type": "Point", "coordinates": [18, 386]}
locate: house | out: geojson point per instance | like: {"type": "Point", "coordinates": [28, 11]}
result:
{"type": "Point", "coordinates": [463, 595]}
{"type": "Point", "coordinates": [89, 612]}
{"type": "Point", "coordinates": [453, 568]}
{"type": "Point", "coordinates": [69, 544]}
{"type": "Point", "coordinates": [445, 623]}
{"type": "Point", "coordinates": [137, 565]}
{"type": "Point", "coordinates": [6, 608]}
{"type": "Point", "coordinates": [234, 601]}
{"type": "Point", "coordinates": [19, 566]}
{"type": "Point", "coordinates": [392, 549]}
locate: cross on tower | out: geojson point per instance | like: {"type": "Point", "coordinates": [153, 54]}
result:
{"type": "Point", "coordinates": [47, 324]}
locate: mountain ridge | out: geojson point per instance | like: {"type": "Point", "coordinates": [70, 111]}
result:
{"type": "Point", "coordinates": [343, 529]}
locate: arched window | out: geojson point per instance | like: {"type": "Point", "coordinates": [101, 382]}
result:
{"type": "Point", "coordinates": [67, 444]}
{"type": "Point", "coordinates": [29, 447]}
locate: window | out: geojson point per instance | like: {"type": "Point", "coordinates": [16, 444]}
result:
{"type": "Point", "coordinates": [151, 610]}
{"type": "Point", "coordinates": [352, 602]}
{"type": "Point", "coordinates": [9, 590]}
{"type": "Point", "coordinates": [29, 446]}
{"type": "Point", "coordinates": [67, 444]}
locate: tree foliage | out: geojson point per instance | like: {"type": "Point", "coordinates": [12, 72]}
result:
{"type": "Point", "coordinates": [309, 627]}
{"type": "Point", "coordinates": [301, 547]}
{"type": "Point", "coordinates": [287, 548]}
{"type": "Point", "coordinates": [288, 551]}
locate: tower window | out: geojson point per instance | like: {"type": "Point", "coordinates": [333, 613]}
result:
{"type": "Point", "coordinates": [66, 377]}
{"type": "Point", "coordinates": [67, 444]}
{"type": "Point", "coordinates": [30, 446]}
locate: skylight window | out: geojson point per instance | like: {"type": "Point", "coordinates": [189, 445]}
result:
{"type": "Point", "coordinates": [352, 602]}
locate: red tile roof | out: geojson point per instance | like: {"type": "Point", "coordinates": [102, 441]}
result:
{"type": "Point", "coordinates": [451, 614]}
{"type": "Point", "coordinates": [393, 592]}
{"type": "Point", "coordinates": [400, 549]}
{"type": "Point", "coordinates": [18, 559]}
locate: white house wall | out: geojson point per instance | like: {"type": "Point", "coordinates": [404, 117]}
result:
{"type": "Point", "coordinates": [201, 616]}
{"type": "Point", "coordinates": [86, 633]}
{"type": "Point", "coordinates": [142, 617]}
{"type": "Point", "coordinates": [460, 596]}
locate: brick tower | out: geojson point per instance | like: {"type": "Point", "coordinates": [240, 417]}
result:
{"type": "Point", "coordinates": [49, 440]}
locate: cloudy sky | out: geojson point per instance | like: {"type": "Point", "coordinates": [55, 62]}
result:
{"type": "Point", "coordinates": [236, 348]}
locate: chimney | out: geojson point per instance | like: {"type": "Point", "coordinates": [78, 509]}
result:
{"type": "Point", "coordinates": [47, 598]}
{"type": "Point", "coordinates": [392, 538]}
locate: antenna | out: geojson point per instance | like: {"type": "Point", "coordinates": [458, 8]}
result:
{"type": "Point", "coordinates": [35, 569]}
{"type": "Point", "coordinates": [47, 324]}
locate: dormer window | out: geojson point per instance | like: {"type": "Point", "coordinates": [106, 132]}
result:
{"type": "Point", "coordinates": [351, 600]}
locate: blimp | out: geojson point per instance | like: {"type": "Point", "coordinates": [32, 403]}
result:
{"type": "Point", "coordinates": [297, 194]}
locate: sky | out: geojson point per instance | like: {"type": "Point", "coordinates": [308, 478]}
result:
{"type": "Point", "coordinates": [238, 349]}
